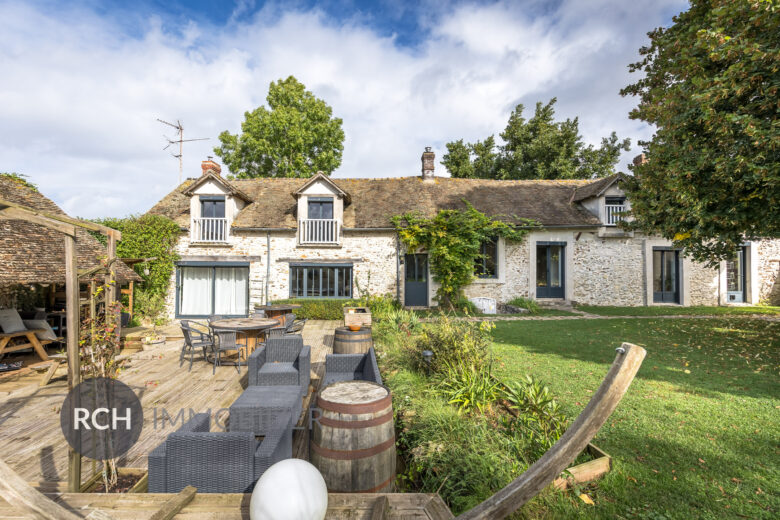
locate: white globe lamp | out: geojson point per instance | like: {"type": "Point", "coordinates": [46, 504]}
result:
{"type": "Point", "coordinates": [291, 489]}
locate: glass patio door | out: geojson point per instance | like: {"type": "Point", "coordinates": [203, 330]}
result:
{"type": "Point", "coordinates": [666, 276]}
{"type": "Point", "coordinates": [550, 270]}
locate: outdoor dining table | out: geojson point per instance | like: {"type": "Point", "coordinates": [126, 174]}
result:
{"type": "Point", "coordinates": [277, 310]}
{"type": "Point", "coordinates": [251, 328]}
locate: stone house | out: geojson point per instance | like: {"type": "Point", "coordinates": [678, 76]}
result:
{"type": "Point", "coordinates": [247, 242]}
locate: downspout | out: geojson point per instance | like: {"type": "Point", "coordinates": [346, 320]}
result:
{"type": "Point", "coordinates": [267, 262]}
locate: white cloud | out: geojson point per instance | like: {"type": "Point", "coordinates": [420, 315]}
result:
{"type": "Point", "coordinates": [80, 96]}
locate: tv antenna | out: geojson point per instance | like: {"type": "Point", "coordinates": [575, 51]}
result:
{"type": "Point", "coordinates": [180, 141]}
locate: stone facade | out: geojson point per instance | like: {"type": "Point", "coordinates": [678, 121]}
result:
{"type": "Point", "coordinates": [372, 255]}
{"type": "Point", "coordinates": [768, 268]}
{"type": "Point", "coordinates": [608, 270]}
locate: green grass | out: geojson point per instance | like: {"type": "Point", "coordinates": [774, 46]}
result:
{"type": "Point", "coordinates": [696, 435]}
{"type": "Point", "coordinates": [675, 310]}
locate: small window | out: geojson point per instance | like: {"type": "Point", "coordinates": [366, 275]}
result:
{"type": "Point", "coordinates": [487, 263]}
{"type": "Point", "coordinates": [321, 208]}
{"type": "Point", "coordinates": [320, 281]}
{"type": "Point", "coordinates": [212, 207]}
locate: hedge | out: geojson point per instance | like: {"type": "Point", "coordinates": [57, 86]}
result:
{"type": "Point", "coordinates": [322, 308]}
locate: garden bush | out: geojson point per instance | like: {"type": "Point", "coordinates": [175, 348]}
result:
{"type": "Point", "coordinates": [333, 309]}
{"type": "Point", "coordinates": [525, 303]}
{"type": "Point", "coordinates": [454, 343]}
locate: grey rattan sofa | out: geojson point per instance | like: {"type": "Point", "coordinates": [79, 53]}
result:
{"type": "Point", "coordinates": [216, 462]}
{"type": "Point", "coordinates": [351, 367]}
{"type": "Point", "coordinates": [281, 362]}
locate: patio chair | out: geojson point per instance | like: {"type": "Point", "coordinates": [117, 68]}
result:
{"type": "Point", "coordinates": [226, 342]}
{"type": "Point", "coordinates": [216, 462]}
{"type": "Point", "coordinates": [281, 362]}
{"type": "Point", "coordinates": [276, 332]}
{"type": "Point", "coordinates": [289, 319]}
{"type": "Point", "coordinates": [194, 339]}
{"type": "Point", "coordinates": [297, 326]}
{"type": "Point", "coordinates": [351, 367]}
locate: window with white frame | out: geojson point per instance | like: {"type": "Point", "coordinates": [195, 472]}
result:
{"type": "Point", "coordinates": [206, 289]}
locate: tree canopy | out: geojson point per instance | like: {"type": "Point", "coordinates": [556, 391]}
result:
{"type": "Point", "coordinates": [710, 86]}
{"type": "Point", "coordinates": [539, 148]}
{"type": "Point", "coordinates": [296, 136]}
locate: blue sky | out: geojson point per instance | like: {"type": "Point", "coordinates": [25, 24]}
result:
{"type": "Point", "coordinates": [84, 82]}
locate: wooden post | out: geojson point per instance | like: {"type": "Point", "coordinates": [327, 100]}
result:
{"type": "Point", "coordinates": [72, 310]}
{"type": "Point", "coordinates": [18, 493]}
{"type": "Point", "coordinates": [111, 290]}
{"type": "Point", "coordinates": [130, 299]}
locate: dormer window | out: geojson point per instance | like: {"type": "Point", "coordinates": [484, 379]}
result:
{"type": "Point", "coordinates": [212, 206]}
{"type": "Point", "coordinates": [212, 226]}
{"type": "Point", "coordinates": [320, 208]}
{"type": "Point", "coordinates": [613, 206]}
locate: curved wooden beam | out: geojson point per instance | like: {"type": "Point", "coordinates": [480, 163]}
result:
{"type": "Point", "coordinates": [571, 443]}
{"type": "Point", "coordinates": [22, 495]}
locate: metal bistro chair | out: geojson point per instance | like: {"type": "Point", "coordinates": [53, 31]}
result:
{"type": "Point", "coordinates": [297, 326]}
{"type": "Point", "coordinates": [226, 342]}
{"type": "Point", "coordinates": [194, 339]}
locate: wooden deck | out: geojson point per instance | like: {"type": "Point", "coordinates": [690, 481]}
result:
{"type": "Point", "coordinates": [30, 433]}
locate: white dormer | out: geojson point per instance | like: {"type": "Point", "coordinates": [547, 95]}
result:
{"type": "Point", "coordinates": [320, 211]}
{"type": "Point", "coordinates": [605, 199]}
{"type": "Point", "coordinates": [214, 204]}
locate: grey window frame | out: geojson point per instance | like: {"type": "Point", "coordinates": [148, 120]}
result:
{"type": "Point", "coordinates": [321, 200]}
{"type": "Point", "coordinates": [481, 262]}
{"type": "Point", "coordinates": [304, 267]}
{"type": "Point", "coordinates": [213, 265]}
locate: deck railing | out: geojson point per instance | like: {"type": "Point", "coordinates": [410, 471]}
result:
{"type": "Point", "coordinates": [318, 231]}
{"type": "Point", "coordinates": [209, 230]}
{"type": "Point", "coordinates": [611, 213]}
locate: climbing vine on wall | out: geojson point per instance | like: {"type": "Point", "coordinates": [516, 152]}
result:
{"type": "Point", "coordinates": [148, 236]}
{"type": "Point", "coordinates": [453, 239]}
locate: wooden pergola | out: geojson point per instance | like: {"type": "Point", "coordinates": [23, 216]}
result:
{"type": "Point", "coordinates": [67, 227]}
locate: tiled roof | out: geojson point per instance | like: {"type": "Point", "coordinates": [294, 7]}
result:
{"type": "Point", "coordinates": [595, 188]}
{"type": "Point", "coordinates": [374, 201]}
{"type": "Point", "coordinates": [31, 253]}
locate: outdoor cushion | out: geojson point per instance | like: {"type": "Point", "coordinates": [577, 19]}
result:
{"type": "Point", "coordinates": [10, 321]}
{"type": "Point", "coordinates": [47, 334]}
{"type": "Point", "coordinates": [277, 374]}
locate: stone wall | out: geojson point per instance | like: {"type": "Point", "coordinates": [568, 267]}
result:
{"type": "Point", "coordinates": [703, 283]}
{"type": "Point", "coordinates": [512, 281]}
{"type": "Point", "coordinates": [372, 254]}
{"type": "Point", "coordinates": [768, 271]}
{"type": "Point", "coordinates": [607, 271]}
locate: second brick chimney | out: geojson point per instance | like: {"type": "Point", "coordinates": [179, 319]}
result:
{"type": "Point", "coordinates": [427, 163]}
{"type": "Point", "coordinates": [209, 165]}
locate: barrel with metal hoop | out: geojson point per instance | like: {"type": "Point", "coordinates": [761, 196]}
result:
{"type": "Point", "coordinates": [353, 444]}
{"type": "Point", "coordinates": [347, 341]}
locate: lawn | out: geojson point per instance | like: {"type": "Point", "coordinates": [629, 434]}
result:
{"type": "Point", "coordinates": [431, 313]}
{"type": "Point", "coordinates": [696, 436]}
{"type": "Point", "coordinates": [676, 310]}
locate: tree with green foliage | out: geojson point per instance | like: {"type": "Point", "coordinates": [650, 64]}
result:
{"type": "Point", "coordinates": [539, 148]}
{"type": "Point", "coordinates": [710, 86]}
{"type": "Point", "coordinates": [296, 136]}
{"type": "Point", "coordinates": [453, 240]}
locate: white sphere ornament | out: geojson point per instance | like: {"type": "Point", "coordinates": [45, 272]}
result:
{"type": "Point", "coordinates": [291, 489]}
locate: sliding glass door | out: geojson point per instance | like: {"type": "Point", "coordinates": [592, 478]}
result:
{"type": "Point", "coordinates": [205, 290]}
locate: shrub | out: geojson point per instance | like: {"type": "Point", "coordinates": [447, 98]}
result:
{"type": "Point", "coordinates": [150, 306]}
{"type": "Point", "coordinates": [466, 306]}
{"type": "Point", "coordinates": [538, 420]}
{"type": "Point", "coordinates": [525, 303]}
{"type": "Point", "coordinates": [471, 388]}
{"type": "Point", "coordinates": [455, 343]}
{"type": "Point", "coordinates": [381, 306]}
{"type": "Point", "coordinates": [320, 308]}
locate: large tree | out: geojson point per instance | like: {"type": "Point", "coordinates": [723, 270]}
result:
{"type": "Point", "coordinates": [296, 136]}
{"type": "Point", "coordinates": [710, 86]}
{"type": "Point", "coordinates": [539, 148]}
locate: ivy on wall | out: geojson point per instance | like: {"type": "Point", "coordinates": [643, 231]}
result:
{"type": "Point", "coordinates": [453, 239]}
{"type": "Point", "coordinates": [147, 236]}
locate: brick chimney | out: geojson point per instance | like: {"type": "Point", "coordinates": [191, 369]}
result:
{"type": "Point", "coordinates": [209, 165]}
{"type": "Point", "coordinates": [427, 163]}
{"type": "Point", "coordinates": [639, 159]}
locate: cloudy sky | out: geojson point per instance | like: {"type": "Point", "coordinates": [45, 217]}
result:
{"type": "Point", "coordinates": [83, 82]}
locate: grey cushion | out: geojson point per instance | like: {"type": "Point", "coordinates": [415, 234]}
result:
{"type": "Point", "coordinates": [10, 321]}
{"type": "Point", "coordinates": [47, 333]}
{"type": "Point", "coordinates": [277, 374]}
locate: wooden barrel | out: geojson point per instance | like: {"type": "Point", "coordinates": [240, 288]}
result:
{"type": "Point", "coordinates": [354, 438]}
{"type": "Point", "coordinates": [346, 341]}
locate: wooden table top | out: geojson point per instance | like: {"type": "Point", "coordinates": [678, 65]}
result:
{"type": "Point", "coordinates": [279, 307]}
{"type": "Point", "coordinates": [245, 323]}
